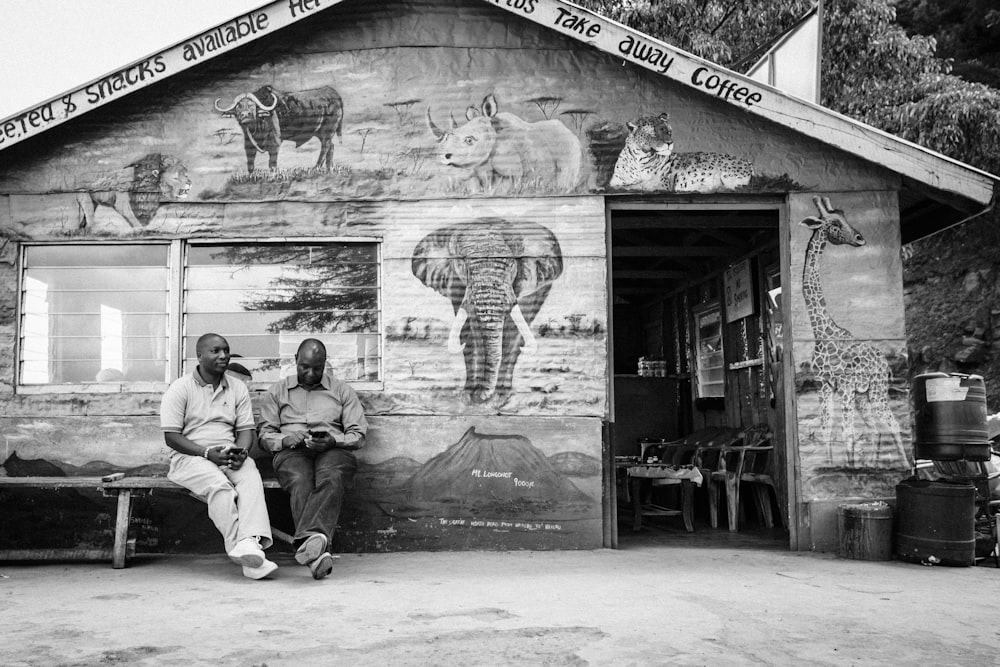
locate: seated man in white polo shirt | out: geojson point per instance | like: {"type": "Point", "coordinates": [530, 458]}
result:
{"type": "Point", "coordinates": [207, 421]}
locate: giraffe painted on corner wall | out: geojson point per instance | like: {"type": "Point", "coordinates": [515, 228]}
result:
{"type": "Point", "coordinates": [857, 372]}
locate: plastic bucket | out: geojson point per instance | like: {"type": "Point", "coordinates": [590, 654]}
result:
{"type": "Point", "coordinates": [949, 412]}
{"type": "Point", "coordinates": [865, 530]}
{"type": "Point", "coordinates": [935, 522]}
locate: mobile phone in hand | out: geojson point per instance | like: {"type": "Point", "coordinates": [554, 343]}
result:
{"type": "Point", "coordinates": [318, 434]}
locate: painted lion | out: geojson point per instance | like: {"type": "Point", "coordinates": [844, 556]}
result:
{"type": "Point", "coordinates": [137, 196]}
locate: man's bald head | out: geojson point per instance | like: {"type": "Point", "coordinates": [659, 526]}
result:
{"type": "Point", "coordinates": [310, 345]}
{"type": "Point", "coordinates": [310, 362]}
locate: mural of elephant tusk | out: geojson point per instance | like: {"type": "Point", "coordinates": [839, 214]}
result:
{"type": "Point", "coordinates": [455, 344]}
{"type": "Point", "coordinates": [530, 344]}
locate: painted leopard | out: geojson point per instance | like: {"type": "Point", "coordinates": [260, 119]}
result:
{"type": "Point", "coordinates": [648, 162]}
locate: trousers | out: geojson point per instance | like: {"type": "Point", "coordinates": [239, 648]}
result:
{"type": "Point", "coordinates": [315, 483]}
{"type": "Point", "coordinates": [235, 498]}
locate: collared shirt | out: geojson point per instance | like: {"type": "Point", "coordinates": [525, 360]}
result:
{"type": "Point", "coordinates": [332, 406]}
{"type": "Point", "coordinates": [204, 414]}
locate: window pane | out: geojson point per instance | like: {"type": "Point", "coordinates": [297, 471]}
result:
{"type": "Point", "coordinates": [97, 255]}
{"type": "Point", "coordinates": [220, 300]}
{"type": "Point", "coordinates": [84, 303]}
{"type": "Point", "coordinates": [282, 254]}
{"type": "Point", "coordinates": [86, 279]}
{"type": "Point", "coordinates": [265, 277]}
{"type": "Point", "coordinates": [76, 372]}
{"type": "Point", "coordinates": [94, 313]}
{"type": "Point", "coordinates": [268, 358]}
{"type": "Point", "coordinates": [329, 321]}
{"type": "Point", "coordinates": [266, 298]}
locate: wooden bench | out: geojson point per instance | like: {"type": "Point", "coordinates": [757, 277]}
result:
{"type": "Point", "coordinates": [115, 485]}
{"type": "Point", "coordinates": [71, 553]}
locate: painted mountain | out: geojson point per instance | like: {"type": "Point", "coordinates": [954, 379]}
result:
{"type": "Point", "coordinates": [15, 466]}
{"type": "Point", "coordinates": [575, 464]}
{"type": "Point", "coordinates": [491, 468]}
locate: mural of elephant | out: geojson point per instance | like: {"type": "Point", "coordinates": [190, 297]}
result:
{"type": "Point", "coordinates": [497, 274]}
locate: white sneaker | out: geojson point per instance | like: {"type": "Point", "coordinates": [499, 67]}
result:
{"type": "Point", "coordinates": [248, 553]}
{"type": "Point", "coordinates": [266, 568]}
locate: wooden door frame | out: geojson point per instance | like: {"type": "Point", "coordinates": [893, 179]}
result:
{"type": "Point", "coordinates": [787, 417]}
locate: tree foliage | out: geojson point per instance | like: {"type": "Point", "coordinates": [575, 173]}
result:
{"type": "Point", "coordinates": [967, 33]}
{"type": "Point", "coordinates": [726, 32]}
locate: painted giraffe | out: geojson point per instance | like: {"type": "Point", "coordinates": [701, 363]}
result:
{"type": "Point", "coordinates": [857, 372]}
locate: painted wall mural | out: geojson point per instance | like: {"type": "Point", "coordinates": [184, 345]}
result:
{"type": "Point", "coordinates": [495, 145]}
{"type": "Point", "coordinates": [500, 442]}
{"type": "Point", "coordinates": [487, 488]}
{"type": "Point", "coordinates": [851, 391]}
{"type": "Point", "coordinates": [433, 483]}
{"type": "Point", "coordinates": [497, 274]}
{"type": "Point", "coordinates": [648, 162]}
{"type": "Point", "coordinates": [134, 193]}
{"type": "Point", "coordinates": [342, 115]}
{"type": "Point", "coordinates": [269, 117]}
{"type": "Point", "coordinates": [856, 372]}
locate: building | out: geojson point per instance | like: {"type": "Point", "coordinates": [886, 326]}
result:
{"type": "Point", "coordinates": [489, 211]}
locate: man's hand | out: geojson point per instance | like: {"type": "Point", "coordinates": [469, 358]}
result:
{"type": "Point", "coordinates": [320, 444]}
{"type": "Point", "coordinates": [215, 455]}
{"type": "Point", "coordinates": [235, 458]}
{"type": "Point", "coordinates": [293, 440]}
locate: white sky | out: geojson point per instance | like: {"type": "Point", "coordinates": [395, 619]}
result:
{"type": "Point", "coordinates": [50, 46]}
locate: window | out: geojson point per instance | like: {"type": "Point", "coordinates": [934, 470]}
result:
{"type": "Point", "coordinates": [115, 314]}
{"type": "Point", "coordinates": [709, 360]}
{"type": "Point", "coordinates": [265, 299]}
{"type": "Point", "coordinates": [94, 314]}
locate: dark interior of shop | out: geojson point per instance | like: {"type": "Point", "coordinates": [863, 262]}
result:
{"type": "Point", "coordinates": [665, 262]}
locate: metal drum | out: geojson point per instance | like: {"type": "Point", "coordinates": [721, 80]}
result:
{"type": "Point", "coordinates": [949, 412]}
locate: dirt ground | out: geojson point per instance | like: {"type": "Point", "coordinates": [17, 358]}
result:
{"type": "Point", "coordinates": [641, 605]}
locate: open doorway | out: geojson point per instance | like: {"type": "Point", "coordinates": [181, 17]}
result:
{"type": "Point", "coordinates": [697, 348]}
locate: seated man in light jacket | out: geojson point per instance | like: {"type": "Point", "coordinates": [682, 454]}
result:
{"type": "Point", "coordinates": [207, 421]}
{"type": "Point", "coordinates": [312, 422]}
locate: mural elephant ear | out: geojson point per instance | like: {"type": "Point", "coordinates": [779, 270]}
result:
{"type": "Point", "coordinates": [497, 274]}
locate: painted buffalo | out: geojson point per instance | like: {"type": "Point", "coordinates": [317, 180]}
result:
{"type": "Point", "coordinates": [494, 144]}
{"type": "Point", "coordinates": [497, 274]}
{"type": "Point", "coordinates": [268, 117]}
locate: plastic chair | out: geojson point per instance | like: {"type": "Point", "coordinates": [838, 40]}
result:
{"type": "Point", "coordinates": [747, 458]}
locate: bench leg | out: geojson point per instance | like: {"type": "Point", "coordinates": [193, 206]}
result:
{"type": "Point", "coordinates": [121, 528]}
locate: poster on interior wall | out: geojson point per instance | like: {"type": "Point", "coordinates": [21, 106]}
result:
{"type": "Point", "coordinates": [738, 282]}
{"type": "Point", "coordinates": [849, 344]}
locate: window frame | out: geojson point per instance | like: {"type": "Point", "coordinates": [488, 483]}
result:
{"type": "Point", "coordinates": [175, 312]}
